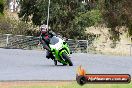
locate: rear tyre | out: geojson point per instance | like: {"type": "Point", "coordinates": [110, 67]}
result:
{"type": "Point", "coordinates": [67, 59]}
{"type": "Point", "coordinates": [55, 62]}
{"type": "Point", "coordinates": [64, 64]}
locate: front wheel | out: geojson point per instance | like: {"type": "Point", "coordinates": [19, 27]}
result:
{"type": "Point", "coordinates": [67, 59]}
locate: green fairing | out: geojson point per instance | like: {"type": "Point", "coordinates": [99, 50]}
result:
{"type": "Point", "coordinates": [58, 52]}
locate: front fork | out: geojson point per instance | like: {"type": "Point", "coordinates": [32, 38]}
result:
{"type": "Point", "coordinates": [63, 60]}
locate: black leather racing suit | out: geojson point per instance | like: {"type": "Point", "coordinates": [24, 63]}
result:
{"type": "Point", "coordinates": [45, 41]}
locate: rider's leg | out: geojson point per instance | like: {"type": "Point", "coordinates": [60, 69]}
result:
{"type": "Point", "coordinates": [51, 55]}
{"type": "Point", "coordinates": [47, 54]}
{"type": "Point", "coordinates": [48, 50]}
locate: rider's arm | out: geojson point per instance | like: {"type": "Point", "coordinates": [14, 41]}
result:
{"type": "Point", "coordinates": [45, 46]}
{"type": "Point", "coordinates": [40, 39]}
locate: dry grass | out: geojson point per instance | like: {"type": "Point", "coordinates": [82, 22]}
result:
{"type": "Point", "coordinates": [103, 43]}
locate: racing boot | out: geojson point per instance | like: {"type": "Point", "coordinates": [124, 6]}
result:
{"type": "Point", "coordinates": [47, 54]}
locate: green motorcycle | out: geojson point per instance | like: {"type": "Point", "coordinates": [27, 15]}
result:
{"type": "Point", "coordinates": [60, 50]}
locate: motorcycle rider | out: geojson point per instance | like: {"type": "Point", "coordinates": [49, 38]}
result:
{"type": "Point", "coordinates": [45, 37]}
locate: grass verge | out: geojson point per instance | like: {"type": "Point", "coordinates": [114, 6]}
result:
{"type": "Point", "coordinates": [65, 85]}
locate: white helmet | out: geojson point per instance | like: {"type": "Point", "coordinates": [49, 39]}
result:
{"type": "Point", "coordinates": [43, 28]}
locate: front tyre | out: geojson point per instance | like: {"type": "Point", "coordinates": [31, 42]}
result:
{"type": "Point", "coordinates": [67, 59]}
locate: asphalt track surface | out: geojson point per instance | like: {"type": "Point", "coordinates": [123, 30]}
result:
{"type": "Point", "coordinates": [30, 65]}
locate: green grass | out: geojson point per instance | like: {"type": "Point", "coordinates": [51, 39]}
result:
{"type": "Point", "coordinates": [75, 85]}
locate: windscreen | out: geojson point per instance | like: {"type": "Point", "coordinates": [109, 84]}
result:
{"type": "Point", "coordinates": [54, 40]}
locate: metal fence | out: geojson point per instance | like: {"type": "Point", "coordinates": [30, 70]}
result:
{"type": "Point", "coordinates": [30, 42]}
{"type": "Point", "coordinates": [18, 41]}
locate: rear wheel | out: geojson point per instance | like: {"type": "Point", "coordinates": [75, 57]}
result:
{"type": "Point", "coordinates": [64, 64]}
{"type": "Point", "coordinates": [67, 59]}
{"type": "Point", "coordinates": [55, 62]}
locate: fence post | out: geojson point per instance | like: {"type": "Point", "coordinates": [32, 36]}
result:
{"type": "Point", "coordinates": [7, 39]}
{"type": "Point", "coordinates": [130, 49]}
{"type": "Point", "coordinates": [29, 46]}
{"type": "Point", "coordinates": [87, 46]}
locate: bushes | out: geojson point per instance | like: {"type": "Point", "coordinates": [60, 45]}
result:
{"type": "Point", "coordinates": [1, 6]}
{"type": "Point", "coordinates": [84, 20]}
{"type": "Point", "coordinates": [117, 13]}
{"type": "Point", "coordinates": [68, 17]}
{"type": "Point", "coordinates": [11, 26]}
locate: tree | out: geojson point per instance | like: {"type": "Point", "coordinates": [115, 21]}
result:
{"type": "Point", "coordinates": [1, 6]}
{"type": "Point", "coordinates": [68, 17]}
{"type": "Point", "coordinates": [117, 13]}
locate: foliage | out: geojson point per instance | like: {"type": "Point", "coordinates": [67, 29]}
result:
{"type": "Point", "coordinates": [68, 17]}
{"type": "Point", "coordinates": [1, 6]}
{"type": "Point", "coordinates": [12, 26]}
{"type": "Point", "coordinates": [83, 20]}
{"type": "Point", "coordinates": [117, 13]}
